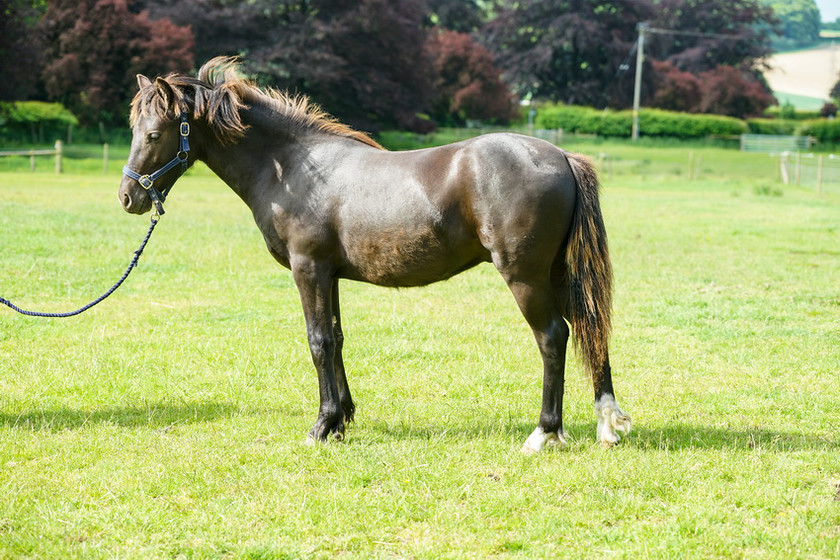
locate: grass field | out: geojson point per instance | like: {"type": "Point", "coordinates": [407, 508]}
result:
{"type": "Point", "coordinates": [169, 421]}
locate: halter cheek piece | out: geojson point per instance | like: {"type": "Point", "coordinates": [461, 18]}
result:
{"type": "Point", "coordinates": [148, 181]}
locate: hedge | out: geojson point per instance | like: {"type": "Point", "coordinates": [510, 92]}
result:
{"type": "Point", "coordinates": [656, 122]}
{"type": "Point", "coordinates": [826, 131]}
{"type": "Point", "coordinates": [773, 126]}
{"type": "Point", "coordinates": [789, 112]}
{"type": "Point", "coordinates": [652, 122]}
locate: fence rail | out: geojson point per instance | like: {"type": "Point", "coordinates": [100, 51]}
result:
{"type": "Point", "coordinates": [774, 144]}
{"type": "Point", "coordinates": [57, 152]}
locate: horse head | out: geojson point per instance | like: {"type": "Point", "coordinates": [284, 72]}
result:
{"type": "Point", "coordinates": [160, 130]}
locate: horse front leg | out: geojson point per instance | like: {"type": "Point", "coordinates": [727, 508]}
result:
{"type": "Point", "coordinates": [344, 397]}
{"type": "Point", "coordinates": [315, 285]}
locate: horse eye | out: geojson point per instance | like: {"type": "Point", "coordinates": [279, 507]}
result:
{"type": "Point", "coordinates": [154, 136]}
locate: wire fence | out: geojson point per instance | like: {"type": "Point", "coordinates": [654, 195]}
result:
{"type": "Point", "coordinates": [819, 171]}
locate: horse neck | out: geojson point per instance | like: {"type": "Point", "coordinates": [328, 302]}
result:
{"type": "Point", "coordinates": [243, 164]}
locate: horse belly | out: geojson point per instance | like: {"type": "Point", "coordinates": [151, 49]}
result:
{"type": "Point", "coordinates": [404, 257]}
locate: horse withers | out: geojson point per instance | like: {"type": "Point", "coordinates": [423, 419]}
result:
{"type": "Point", "coordinates": [332, 204]}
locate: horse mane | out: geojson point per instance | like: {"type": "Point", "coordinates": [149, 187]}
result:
{"type": "Point", "coordinates": [218, 93]}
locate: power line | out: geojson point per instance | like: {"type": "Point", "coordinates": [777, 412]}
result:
{"type": "Point", "coordinates": [643, 28]}
{"type": "Point", "coordinates": [692, 33]}
{"type": "Point", "coordinates": [625, 64]}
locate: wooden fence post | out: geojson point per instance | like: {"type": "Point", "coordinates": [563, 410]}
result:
{"type": "Point", "coordinates": [58, 147]}
{"type": "Point", "coordinates": [819, 174]}
{"type": "Point", "coordinates": [783, 161]}
{"type": "Point", "coordinates": [105, 158]}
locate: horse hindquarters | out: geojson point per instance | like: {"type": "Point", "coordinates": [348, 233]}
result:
{"type": "Point", "coordinates": [524, 227]}
{"type": "Point", "coordinates": [565, 274]}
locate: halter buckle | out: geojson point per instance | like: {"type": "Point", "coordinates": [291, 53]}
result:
{"type": "Point", "coordinates": [185, 128]}
{"type": "Point", "coordinates": [146, 182]}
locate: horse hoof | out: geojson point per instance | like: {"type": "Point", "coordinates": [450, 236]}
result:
{"type": "Point", "coordinates": [539, 439]}
{"type": "Point", "coordinates": [528, 450]}
{"type": "Point", "coordinates": [611, 419]}
{"type": "Point", "coordinates": [311, 440]}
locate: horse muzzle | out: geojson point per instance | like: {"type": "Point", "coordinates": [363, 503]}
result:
{"type": "Point", "coordinates": [134, 199]}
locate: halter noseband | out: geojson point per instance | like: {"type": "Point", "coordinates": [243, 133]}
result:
{"type": "Point", "coordinates": [147, 181]}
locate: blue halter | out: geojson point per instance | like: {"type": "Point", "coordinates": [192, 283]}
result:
{"type": "Point", "coordinates": [147, 181]}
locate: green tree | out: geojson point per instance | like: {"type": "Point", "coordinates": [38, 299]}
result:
{"type": "Point", "coordinates": [799, 21]}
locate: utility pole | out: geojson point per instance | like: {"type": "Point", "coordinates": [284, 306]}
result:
{"type": "Point", "coordinates": [641, 27]}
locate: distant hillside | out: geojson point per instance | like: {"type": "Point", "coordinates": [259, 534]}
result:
{"type": "Point", "coordinates": [804, 78]}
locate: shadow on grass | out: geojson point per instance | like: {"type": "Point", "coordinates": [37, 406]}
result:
{"type": "Point", "coordinates": [157, 415]}
{"type": "Point", "coordinates": [687, 436]}
{"type": "Point", "coordinates": [673, 437]}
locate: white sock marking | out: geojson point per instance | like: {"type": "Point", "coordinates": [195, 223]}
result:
{"type": "Point", "coordinates": [610, 418]}
{"type": "Point", "coordinates": [539, 439]}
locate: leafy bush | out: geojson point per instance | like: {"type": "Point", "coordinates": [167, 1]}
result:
{"type": "Point", "coordinates": [734, 92]}
{"type": "Point", "coordinates": [772, 126]}
{"type": "Point", "coordinates": [467, 85]}
{"type": "Point", "coordinates": [35, 120]}
{"type": "Point", "coordinates": [788, 111]}
{"type": "Point", "coordinates": [826, 131]}
{"type": "Point", "coordinates": [828, 109]}
{"type": "Point", "coordinates": [676, 90]}
{"type": "Point", "coordinates": [26, 112]}
{"type": "Point", "coordinates": [652, 122]}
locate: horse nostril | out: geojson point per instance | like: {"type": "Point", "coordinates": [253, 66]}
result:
{"type": "Point", "coordinates": [126, 200]}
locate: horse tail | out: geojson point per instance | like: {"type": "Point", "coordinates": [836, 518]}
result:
{"type": "Point", "coordinates": [589, 271]}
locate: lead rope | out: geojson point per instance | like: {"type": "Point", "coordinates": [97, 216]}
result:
{"type": "Point", "coordinates": [111, 290]}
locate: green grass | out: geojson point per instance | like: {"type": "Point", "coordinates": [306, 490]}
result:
{"type": "Point", "coordinates": [168, 422]}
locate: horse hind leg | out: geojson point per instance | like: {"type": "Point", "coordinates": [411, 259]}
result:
{"type": "Point", "coordinates": [538, 303]}
{"type": "Point", "coordinates": [611, 419]}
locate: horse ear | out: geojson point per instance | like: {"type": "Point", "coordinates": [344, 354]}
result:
{"type": "Point", "coordinates": [143, 81]}
{"type": "Point", "coordinates": [165, 91]}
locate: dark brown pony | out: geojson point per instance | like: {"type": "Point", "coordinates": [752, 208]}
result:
{"type": "Point", "coordinates": [332, 204]}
